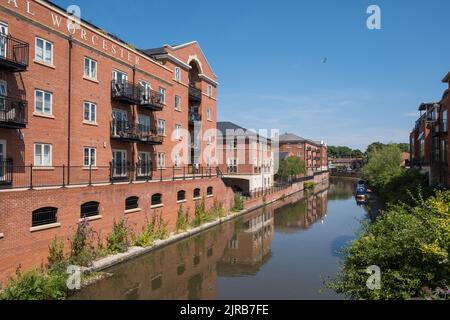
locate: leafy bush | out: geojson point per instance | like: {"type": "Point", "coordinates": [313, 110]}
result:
{"type": "Point", "coordinates": [117, 241]}
{"type": "Point", "coordinates": [154, 229]}
{"type": "Point", "coordinates": [56, 259]}
{"type": "Point", "coordinates": [36, 285]}
{"type": "Point", "coordinates": [411, 246]}
{"type": "Point", "coordinates": [200, 214]}
{"type": "Point", "coordinates": [82, 251]}
{"type": "Point", "coordinates": [182, 219]}
{"type": "Point", "coordinates": [238, 203]}
{"type": "Point", "coordinates": [217, 211]}
{"type": "Point", "coordinates": [290, 167]}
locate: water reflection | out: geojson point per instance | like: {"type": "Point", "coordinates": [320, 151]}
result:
{"type": "Point", "coordinates": [239, 249]}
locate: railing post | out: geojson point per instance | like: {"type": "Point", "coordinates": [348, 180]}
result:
{"type": "Point", "coordinates": [161, 174]}
{"type": "Point", "coordinates": [64, 176]}
{"type": "Point", "coordinates": [173, 173]}
{"type": "Point", "coordinates": [31, 177]}
{"type": "Point", "coordinates": [184, 173]}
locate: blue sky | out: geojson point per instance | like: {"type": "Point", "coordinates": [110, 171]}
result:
{"type": "Point", "coordinates": [268, 57]}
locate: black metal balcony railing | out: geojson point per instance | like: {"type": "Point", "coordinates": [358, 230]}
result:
{"type": "Point", "coordinates": [124, 91]}
{"type": "Point", "coordinates": [194, 117]}
{"type": "Point", "coordinates": [195, 94]}
{"type": "Point", "coordinates": [6, 171]}
{"type": "Point", "coordinates": [128, 131]}
{"type": "Point", "coordinates": [13, 112]}
{"type": "Point", "coordinates": [151, 100]}
{"type": "Point", "coordinates": [27, 177]}
{"type": "Point", "coordinates": [13, 53]}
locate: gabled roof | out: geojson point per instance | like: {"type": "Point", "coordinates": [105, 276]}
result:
{"type": "Point", "coordinates": [290, 137]}
{"type": "Point", "coordinates": [446, 78]}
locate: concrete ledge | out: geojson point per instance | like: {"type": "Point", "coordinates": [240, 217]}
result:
{"type": "Point", "coordinates": [46, 227]}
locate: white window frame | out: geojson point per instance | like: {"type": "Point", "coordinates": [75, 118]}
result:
{"type": "Point", "coordinates": [178, 128]}
{"type": "Point", "coordinates": [161, 160]}
{"type": "Point", "coordinates": [162, 92]}
{"type": "Point", "coordinates": [43, 60]}
{"type": "Point", "coordinates": [92, 63]}
{"type": "Point", "coordinates": [90, 106]}
{"type": "Point", "coordinates": [91, 163]}
{"type": "Point", "coordinates": [147, 157]}
{"type": "Point", "coordinates": [177, 161]}
{"type": "Point", "coordinates": [209, 114]}
{"type": "Point", "coordinates": [145, 120]}
{"type": "Point", "coordinates": [42, 147]}
{"type": "Point", "coordinates": [209, 138]}
{"type": "Point", "coordinates": [177, 103]}
{"type": "Point", "coordinates": [162, 128]}
{"type": "Point", "coordinates": [210, 90]}
{"type": "Point", "coordinates": [178, 74]}
{"type": "Point", "coordinates": [43, 112]}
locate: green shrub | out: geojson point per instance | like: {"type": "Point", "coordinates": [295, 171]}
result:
{"type": "Point", "coordinates": [36, 285]}
{"type": "Point", "coordinates": [117, 241]}
{"type": "Point", "coordinates": [154, 229]}
{"type": "Point", "coordinates": [200, 215]}
{"type": "Point", "coordinates": [217, 211]}
{"type": "Point", "coordinates": [56, 259]}
{"type": "Point", "coordinates": [309, 185]}
{"type": "Point", "coordinates": [410, 244]}
{"type": "Point", "coordinates": [238, 203]}
{"type": "Point", "coordinates": [82, 251]}
{"type": "Point", "coordinates": [182, 219]}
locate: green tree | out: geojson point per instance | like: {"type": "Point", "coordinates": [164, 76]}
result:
{"type": "Point", "coordinates": [290, 167]}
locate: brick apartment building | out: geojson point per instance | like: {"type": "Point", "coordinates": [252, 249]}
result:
{"type": "Point", "coordinates": [92, 127]}
{"type": "Point", "coordinates": [247, 158]}
{"type": "Point", "coordinates": [314, 154]}
{"type": "Point", "coordinates": [429, 139]}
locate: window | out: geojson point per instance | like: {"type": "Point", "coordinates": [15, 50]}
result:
{"type": "Point", "coordinates": [209, 90]}
{"type": "Point", "coordinates": [181, 195]}
{"type": "Point", "coordinates": [161, 160]}
{"type": "Point", "coordinates": [119, 163]}
{"type": "Point", "coordinates": [157, 199]}
{"type": "Point", "coordinates": [90, 68]}
{"type": "Point", "coordinates": [162, 93]}
{"type": "Point", "coordinates": [177, 74]}
{"type": "Point", "coordinates": [90, 209]}
{"type": "Point", "coordinates": [161, 127]}
{"type": "Point", "coordinates": [43, 101]}
{"type": "Point", "coordinates": [44, 51]}
{"type": "Point", "coordinates": [144, 164]}
{"type": "Point", "coordinates": [177, 160]}
{"type": "Point", "coordinates": [445, 121]}
{"type": "Point", "coordinates": [42, 155]}
{"type": "Point", "coordinates": [131, 203]}
{"type": "Point", "coordinates": [90, 112]}
{"type": "Point", "coordinates": [209, 138]}
{"type": "Point", "coordinates": [119, 76]}
{"type": "Point", "coordinates": [44, 216]}
{"type": "Point", "coordinates": [197, 193]}
{"type": "Point", "coordinates": [90, 157]}
{"type": "Point", "coordinates": [209, 114]}
{"type": "Point", "coordinates": [197, 260]}
{"type": "Point", "coordinates": [144, 124]}
{"type": "Point", "coordinates": [177, 103]}
{"type": "Point", "coordinates": [181, 269]}
{"type": "Point", "coordinates": [178, 132]}
{"type": "Point", "coordinates": [210, 191]}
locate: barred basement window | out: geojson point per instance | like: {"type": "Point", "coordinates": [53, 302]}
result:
{"type": "Point", "coordinates": [156, 199]}
{"type": "Point", "coordinates": [196, 260]}
{"type": "Point", "coordinates": [89, 209]}
{"type": "Point", "coordinates": [181, 269]}
{"type": "Point", "coordinates": [181, 195]}
{"type": "Point", "coordinates": [131, 203]}
{"type": "Point", "coordinates": [197, 193]}
{"type": "Point", "coordinates": [44, 216]}
{"type": "Point", "coordinates": [210, 191]}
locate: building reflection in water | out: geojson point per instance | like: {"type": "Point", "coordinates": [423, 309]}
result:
{"type": "Point", "coordinates": [189, 269]}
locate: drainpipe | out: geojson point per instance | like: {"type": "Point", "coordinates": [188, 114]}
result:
{"type": "Point", "coordinates": [135, 117]}
{"type": "Point", "coordinates": [69, 104]}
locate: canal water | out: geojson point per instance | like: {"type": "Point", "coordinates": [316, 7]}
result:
{"type": "Point", "coordinates": [283, 251]}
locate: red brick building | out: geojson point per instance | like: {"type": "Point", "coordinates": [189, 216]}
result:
{"type": "Point", "coordinates": [314, 154]}
{"type": "Point", "coordinates": [429, 140]}
{"type": "Point", "coordinates": [91, 126]}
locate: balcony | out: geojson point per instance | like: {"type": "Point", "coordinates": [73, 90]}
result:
{"type": "Point", "coordinates": [124, 92]}
{"type": "Point", "coordinates": [144, 170]}
{"type": "Point", "coordinates": [128, 131]}
{"type": "Point", "coordinates": [194, 117]}
{"type": "Point", "coordinates": [195, 94]}
{"type": "Point", "coordinates": [13, 113]}
{"type": "Point", "coordinates": [151, 100]}
{"type": "Point", "coordinates": [440, 127]}
{"type": "Point", "coordinates": [13, 53]}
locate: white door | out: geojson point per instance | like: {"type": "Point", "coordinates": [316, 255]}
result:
{"type": "Point", "coordinates": [144, 163]}
{"type": "Point", "coordinates": [119, 163]}
{"type": "Point", "coordinates": [144, 91]}
{"type": "Point", "coordinates": [2, 160]}
{"type": "Point", "coordinates": [119, 121]}
{"type": "Point", "coordinates": [3, 39]}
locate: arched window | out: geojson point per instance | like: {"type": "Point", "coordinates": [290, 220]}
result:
{"type": "Point", "coordinates": [131, 203]}
{"type": "Point", "coordinates": [181, 195]}
{"type": "Point", "coordinates": [90, 209]}
{"type": "Point", "coordinates": [210, 191]}
{"type": "Point", "coordinates": [197, 193]}
{"type": "Point", "coordinates": [44, 216]}
{"type": "Point", "coordinates": [156, 199]}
